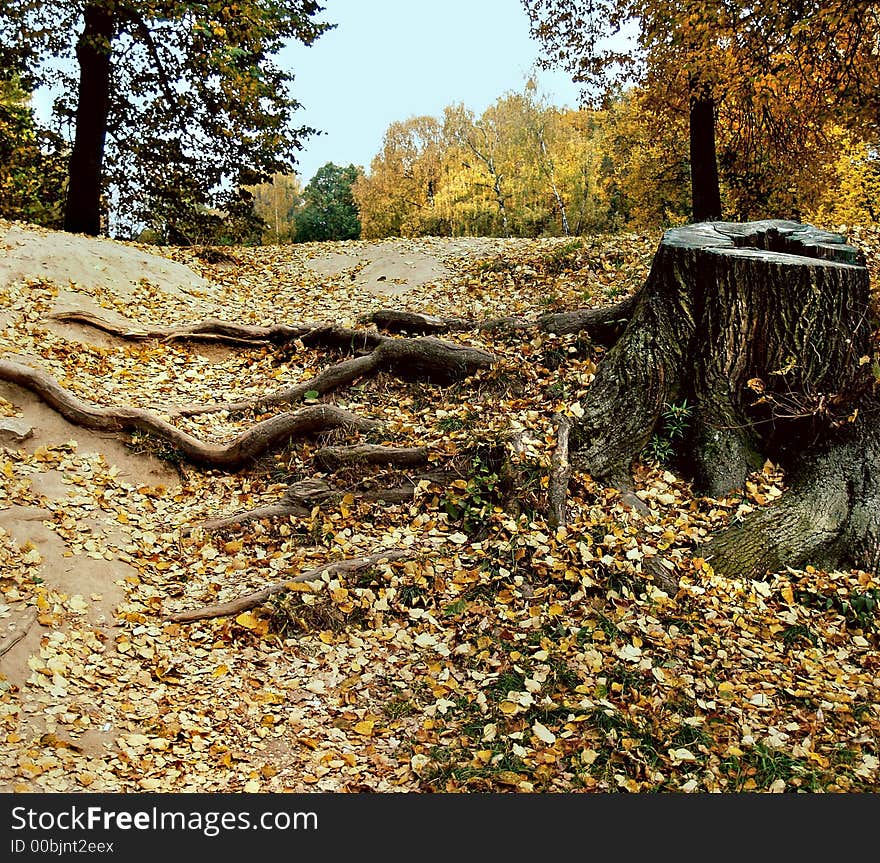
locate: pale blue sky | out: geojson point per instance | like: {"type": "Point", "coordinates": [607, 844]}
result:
{"type": "Point", "coordinates": [389, 60]}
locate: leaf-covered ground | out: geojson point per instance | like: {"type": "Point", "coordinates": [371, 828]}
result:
{"type": "Point", "coordinates": [499, 656]}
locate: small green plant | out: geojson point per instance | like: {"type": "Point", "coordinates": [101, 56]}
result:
{"type": "Point", "coordinates": [799, 633]}
{"type": "Point", "coordinates": [859, 609]}
{"type": "Point", "coordinates": [472, 506]}
{"type": "Point", "coordinates": [659, 450]}
{"type": "Point", "coordinates": [455, 608]}
{"type": "Point", "coordinates": [450, 424]}
{"type": "Point", "coordinates": [564, 257]}
{"type": "Point", "coordinates": [399, 708]}
{"type": "Point", "coordinates": [496, 264]}
{"type": "Point", "coordinates": [676, 420]}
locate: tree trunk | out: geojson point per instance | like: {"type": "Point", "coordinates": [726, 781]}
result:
{"type": "Point", "coordinates": [705, 190]}
{"type": "Point", "coordinates": [83, 209]}
{"type": "Point", "coordinates": [762, 330]}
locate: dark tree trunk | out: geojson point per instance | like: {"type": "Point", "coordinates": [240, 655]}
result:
{"type": "Point", "coordinates": [763, 329]}
{"type": "Point", "coordinates": [705, 191]}
{"type": "Point", "coordinates": [83, 209]}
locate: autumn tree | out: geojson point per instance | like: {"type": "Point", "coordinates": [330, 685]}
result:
{"type": "Point", "coordinates": [636, 169]}
{"type": "Point", "coordinates": [850, 194]}
{"type": "Point", "coordinates": [157, 91]}
{"type": "Point", "coordinates": [484, 141]}
{"type": "Point", "coordinates": [275, 202]}
{"type": "Point", "coordinates": [397, 196]}
{"type": "Point", "coordinates": [757, 81]}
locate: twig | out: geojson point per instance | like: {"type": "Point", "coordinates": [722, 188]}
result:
{"type": "Point", "coordinates": [7, 647]}
{"type": "Point", "coordinates": [251, 600]}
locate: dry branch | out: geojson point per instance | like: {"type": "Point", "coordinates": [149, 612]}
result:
{"type": "Point", "coordinates": [19, 635]}
{"type": "Point", "coordinates": [247, 446]}
{"type": "Point", "coordinates": [252, 600]}
{"type": "Point", "coordinates": [560, 474]}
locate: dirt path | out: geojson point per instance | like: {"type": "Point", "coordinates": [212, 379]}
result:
{"type": "Point", "coordinates": [77, 550]}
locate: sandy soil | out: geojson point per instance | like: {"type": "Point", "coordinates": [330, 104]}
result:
{"type": "Point", "coordinates": [79, 266]}
{"type": "Point", "coordinates": [106, 277]}
{"type": "Point", "coordinates": [393, 267]}
{"type": "Point", "coordinates": [121, 282]}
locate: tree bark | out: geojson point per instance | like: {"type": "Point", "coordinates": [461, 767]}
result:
{"type": "Point", "coordinates": [705, 188]}
{"type": "Point", "coordinates": [762, 329]}
{"type": "Point", "coordinates": [82, 213]}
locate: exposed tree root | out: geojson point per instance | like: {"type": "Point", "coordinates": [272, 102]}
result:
{"type": "Point", "coordinates": [330, 458]}
{"type": "Point", "coordinates": [604, 325]}
{"type": "Point", "coordinates": [241, 450]}
{"type": "Point", "coordinates": [830, 515]}
{"type": "Point", "coordinates": [338, 375]}
{"type": "Point", "coordinates": [427, 358]}
{"type": "Point", "coordinates": [660, 576]}
{"type": "Point", "coordinates": [208, 330]}
{"type": "Point", "coordinates": [302, 497]}
{"type": "Point", "coordinates": [252, 600]}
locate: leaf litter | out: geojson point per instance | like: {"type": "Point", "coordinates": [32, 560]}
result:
{"type": "Point", "coordinates": [500, 655]}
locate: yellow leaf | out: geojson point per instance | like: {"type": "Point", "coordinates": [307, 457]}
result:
{"type": "Point", "coordinates": [507, 707]}
{"type": "Point", "coordinates": [248, 620]}
{"type": "Point", "coordinates": [220, 670]}
{"type": "Point", "coordinates": [365, 727]}
{"type": "Point", "coordinates": [508, 777]}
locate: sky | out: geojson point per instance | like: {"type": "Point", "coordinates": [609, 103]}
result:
{"type": "Point", "coordinates": [389, 60]}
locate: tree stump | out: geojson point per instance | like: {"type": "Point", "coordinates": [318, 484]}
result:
{"type": "Point", "coordinates": [763, 330]}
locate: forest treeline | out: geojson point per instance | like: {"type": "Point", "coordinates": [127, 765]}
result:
{"type": "Point", "coordinates": [523, 167]}
{"type": "Point", "coordinates": [176, 122]}
{"type": "Point", "coordinates": [527, 168]}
